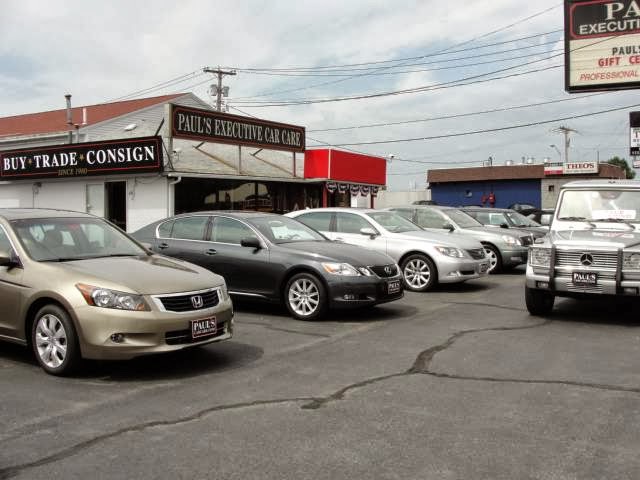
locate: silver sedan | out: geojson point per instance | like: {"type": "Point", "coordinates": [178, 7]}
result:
{"type": "Point", "coordinates": [426, 258]}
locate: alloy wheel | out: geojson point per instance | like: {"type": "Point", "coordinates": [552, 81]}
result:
{"type": "Point", "coordinates": [417, 273]}
{"type": "Point", "coordinates": [304, 297]}
{"type": "Point", "coordinates": [51, 340]}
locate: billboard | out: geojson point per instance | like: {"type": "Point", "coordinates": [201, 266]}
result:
{"type": "Point", "coordinates": [602, 45]}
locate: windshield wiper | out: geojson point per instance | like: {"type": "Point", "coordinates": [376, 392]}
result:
{"type": "Point", "coordinates": [578, 219]}
{"type": "Point", "coordinates": [618, 220]}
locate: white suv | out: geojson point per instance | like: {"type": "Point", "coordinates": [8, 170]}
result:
{"type": "Point", "coordinates": [593, 247]}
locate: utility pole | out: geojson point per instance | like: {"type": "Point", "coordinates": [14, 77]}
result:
{"type": "Point", "coordinates": [566, 131]}
{"type": "Point", "coordinates": [218, 91]}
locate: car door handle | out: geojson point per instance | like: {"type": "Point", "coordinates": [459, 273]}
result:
{"type": "Point", "coordinates": [163, 245]}
{"type": "Point", "coordinates": [211, 251]}
{"type": "Point", "coordinates": [339, 239]}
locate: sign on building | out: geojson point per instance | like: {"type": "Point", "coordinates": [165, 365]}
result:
{"type": "Point", "coordinates": [570, 168]}
{"type": "Point", "coordinates": [634, 137]}
{"type": "Point", "coordinates": [212, 126]}
{"type": "Point", "coordinates": [132, 155]}
{"type": "Point", "coordinates": [602, 45]}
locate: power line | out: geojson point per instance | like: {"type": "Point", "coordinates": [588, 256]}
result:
{"type": "Point", "coordinates": [161, 85]}
{"type": "Point", "coordinates": [488, 130]}
{"type": "Point", "coordinates": [458, 115]}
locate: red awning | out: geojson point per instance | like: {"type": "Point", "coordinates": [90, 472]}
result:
{"type": "Point", "coordinates": [345, 166]}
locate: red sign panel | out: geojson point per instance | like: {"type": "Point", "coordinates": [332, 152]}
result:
{"type": "Point", "coordinates": [345, 166]}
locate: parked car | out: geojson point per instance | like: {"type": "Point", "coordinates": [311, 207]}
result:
{"type": "Point", "coordinates": [504, 248]}
{"type": "Point", "coordinates": [593, 246]}
{"type": "Point", "coordinates": [506, 218]}
{"type": "Point", "coordinates": [74, 286]}
{"type": "Point", "coordinates": [542, 216]}
{"type": "Point", "coordinates": [275, 258]}
{"type": "Point", "coordinates": [425, 258]}
{"type": "Point", "coordinates": [524, 208]}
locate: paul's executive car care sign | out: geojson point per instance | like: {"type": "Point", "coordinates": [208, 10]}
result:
{"type": "Point", "coordinates": [211, 126]}
{"type": "Point", "coordinates": [602, 45]}
{"type": "Point", "coordinates": [135, 155]}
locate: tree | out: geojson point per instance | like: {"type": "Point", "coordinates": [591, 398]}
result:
{"type": "Point", "coordinates": [622, 163]}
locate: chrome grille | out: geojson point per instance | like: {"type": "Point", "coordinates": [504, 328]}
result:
{"type": "Point", "coordinates": [385, 271]}
{"type": "Point", "coordinates": [600, 259]}
{"type": "Point", "coordinates": [184, 303]}
{"type": "Point", "coordinates": [581, 289]}
{"type": "Point", "coordinates": [476, 253]}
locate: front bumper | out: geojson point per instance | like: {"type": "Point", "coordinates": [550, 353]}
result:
{"type": "Point", "coordinates": [514, 256]}
{"type": "Point", "coordinates": [145, 332]}
{"type": "Point", "coordinates": [353, 292]}
{"type": "Point", "coordinates": [608, 283]}
{"type": "Point", "coordinates": [453, 270]}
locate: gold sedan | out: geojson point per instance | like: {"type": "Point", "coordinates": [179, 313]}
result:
{"type": "Point", "coordinates": [73, 286]}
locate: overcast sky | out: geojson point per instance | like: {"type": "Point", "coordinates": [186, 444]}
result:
{"type": "Point", "coordinates": [101, 51]}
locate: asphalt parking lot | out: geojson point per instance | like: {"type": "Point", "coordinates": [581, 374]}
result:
{"type": "Point", "coordinates": [458, 383]}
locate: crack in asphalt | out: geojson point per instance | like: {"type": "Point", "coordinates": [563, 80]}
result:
{"type": "Point", "coordinates": [420, 367]}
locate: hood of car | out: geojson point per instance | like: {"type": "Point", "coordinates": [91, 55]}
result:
{"type": "Point", "coordinates": [441, 239]}
{"type": "Point", "coordinates": [142, 274]}
{"type": "Point", "coordinates": [597, 237]}
{"type": "Point", "coordinates": [337, 252]}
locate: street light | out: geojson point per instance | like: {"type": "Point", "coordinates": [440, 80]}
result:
{"type": "Point", "coordinates": [557, 150]}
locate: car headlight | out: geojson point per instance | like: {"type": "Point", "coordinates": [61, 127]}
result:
{"type": "Point", "coordinates": [540, 257]}
{"type": "Point", "coordinates": [365, 271]}
{"type": "Point", "coordinates": [106, 298]}
{"type": "Point", "coordinates": [224, 291]}
{"type": "Point", "coordinates": [509, 240]}
{"type": "Point", "coordinates": [631, 261]}
{"type": "Point", "coordinates": [340, 269]}
{"type": "Point", "coordinates": [450, 252]}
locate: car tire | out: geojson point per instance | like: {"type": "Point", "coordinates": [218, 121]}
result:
{"type": "Point", "coordinates": [419, 273]}
{"type": "Point", "coordinates": [538, 302]}
{"type": "Point", "coordinates": [305, 297]}
{"type": "Point", "coordinates": [495, 259]}
{"type": "Point", "coordinates": [54, 341]}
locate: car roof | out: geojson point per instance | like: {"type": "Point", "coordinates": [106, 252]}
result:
{"type": "Point", "coordinates": [26, 213]}
{"type": "Point", "coordinates": [239, 214]}
{"type": "Point", "coordinates": [602, 183]}
{"type": "Point", "coordinates": [488, 209]}
{"type": "Point", "coordinates": [340, 209]}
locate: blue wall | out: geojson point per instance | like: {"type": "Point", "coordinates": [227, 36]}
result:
{"type": "Point", "coordinates": [506, 192]}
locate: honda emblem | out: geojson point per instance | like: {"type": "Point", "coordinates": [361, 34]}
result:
{"type": "Point", "coordinates": [196, 301]}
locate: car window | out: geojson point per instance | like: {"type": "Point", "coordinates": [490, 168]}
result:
{"type": "Point", "coordinates": [319, 221]}
{"type": "Point", "coordinates": [520, 220]}
{"type": "Point", "coordinates": [5, 244]}
{"type": "Point", "coordinates": [394, 222]}
{"type": "Point", "coordinates": [164, 229]}
{"type": "Point", "coordinates": [350, 223]}
{"type": "Point", "coordinates": [229, 230]}
{"type": "Point", "coordinates": [428, 218]}
{"type": "Point", "coordinates": [461, 219]}
{"type": "Point", "coordinates": [190, 228]}
{"type": "Point", "coordinates": [279, 229]}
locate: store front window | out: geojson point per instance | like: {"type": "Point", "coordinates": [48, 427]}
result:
{"type": "Point", "coordinates": [196, 194]}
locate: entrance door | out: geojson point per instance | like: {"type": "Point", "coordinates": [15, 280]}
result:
{"type": "Point", "coordinates": [95, 199]}
{"type": "Point", "coordinates": [116, 203]}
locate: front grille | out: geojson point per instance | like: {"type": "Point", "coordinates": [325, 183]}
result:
{"type": "Point", "coordinates": [184, 303]}
{"type": "Point", "coordinates": [600, 259]}
{"type": "Point", "coordinates": [476, 253]}
{"type": "Point", "coordinates": [385, 271]}
{"type": "Point", "coordinates": [582, 289]}
{"type": "Point", "coordinates": [182, 337]}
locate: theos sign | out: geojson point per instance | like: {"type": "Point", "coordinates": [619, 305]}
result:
{"type": "Point", "coordinates": [602, 45]}
{"type": "Point", "coordinates": [580, 167]}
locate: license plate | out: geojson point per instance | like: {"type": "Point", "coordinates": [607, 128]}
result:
{"type": "Point", "coordinates": [393, 287]}
{"type": "Point", "coordinates": [203, 327]}
{"type": "Point", "coordinates": [585, 278]}
{"type": "Point", "coordinates": [484, 267]}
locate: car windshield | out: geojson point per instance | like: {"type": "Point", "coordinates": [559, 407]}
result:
{"type": "Point", "coordinates": [394, 222]}
{"type": "Point", "coordinates": [462, 219]}
{"type": "Point", "coordinates": [68, 239]}
{"type": "Point", "coordinates": [616, 206]}
{"type": "Point", "coordinates": [519, 220]}
{"type": "Point", "coordinates": [285, 230]}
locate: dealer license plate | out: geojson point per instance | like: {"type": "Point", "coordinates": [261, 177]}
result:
{"type": "Point", "coordinates": [203, 327]}
{"type": "Point", "coordinates": [393, 287]}
{"type": "Point", "coordinates": [586, 279]}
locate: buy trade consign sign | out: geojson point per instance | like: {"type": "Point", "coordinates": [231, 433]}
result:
{"type": "Point", "coordinates": [602, 45]}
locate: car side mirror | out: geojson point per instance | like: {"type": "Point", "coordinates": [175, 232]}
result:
{"type": "Point", "coordinates": [7, 259]}
{"type": "Point", "coordinates": [504, 225]}
{"type": "Point", "coordinates": [368, 231]}
{"type": "Point", "coordinates": [252, 242]}
{"type": "Point", "coordinates": [448, 226]}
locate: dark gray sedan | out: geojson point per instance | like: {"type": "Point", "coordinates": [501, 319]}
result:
{"type": "Point", "coordinates": [276, 258]}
